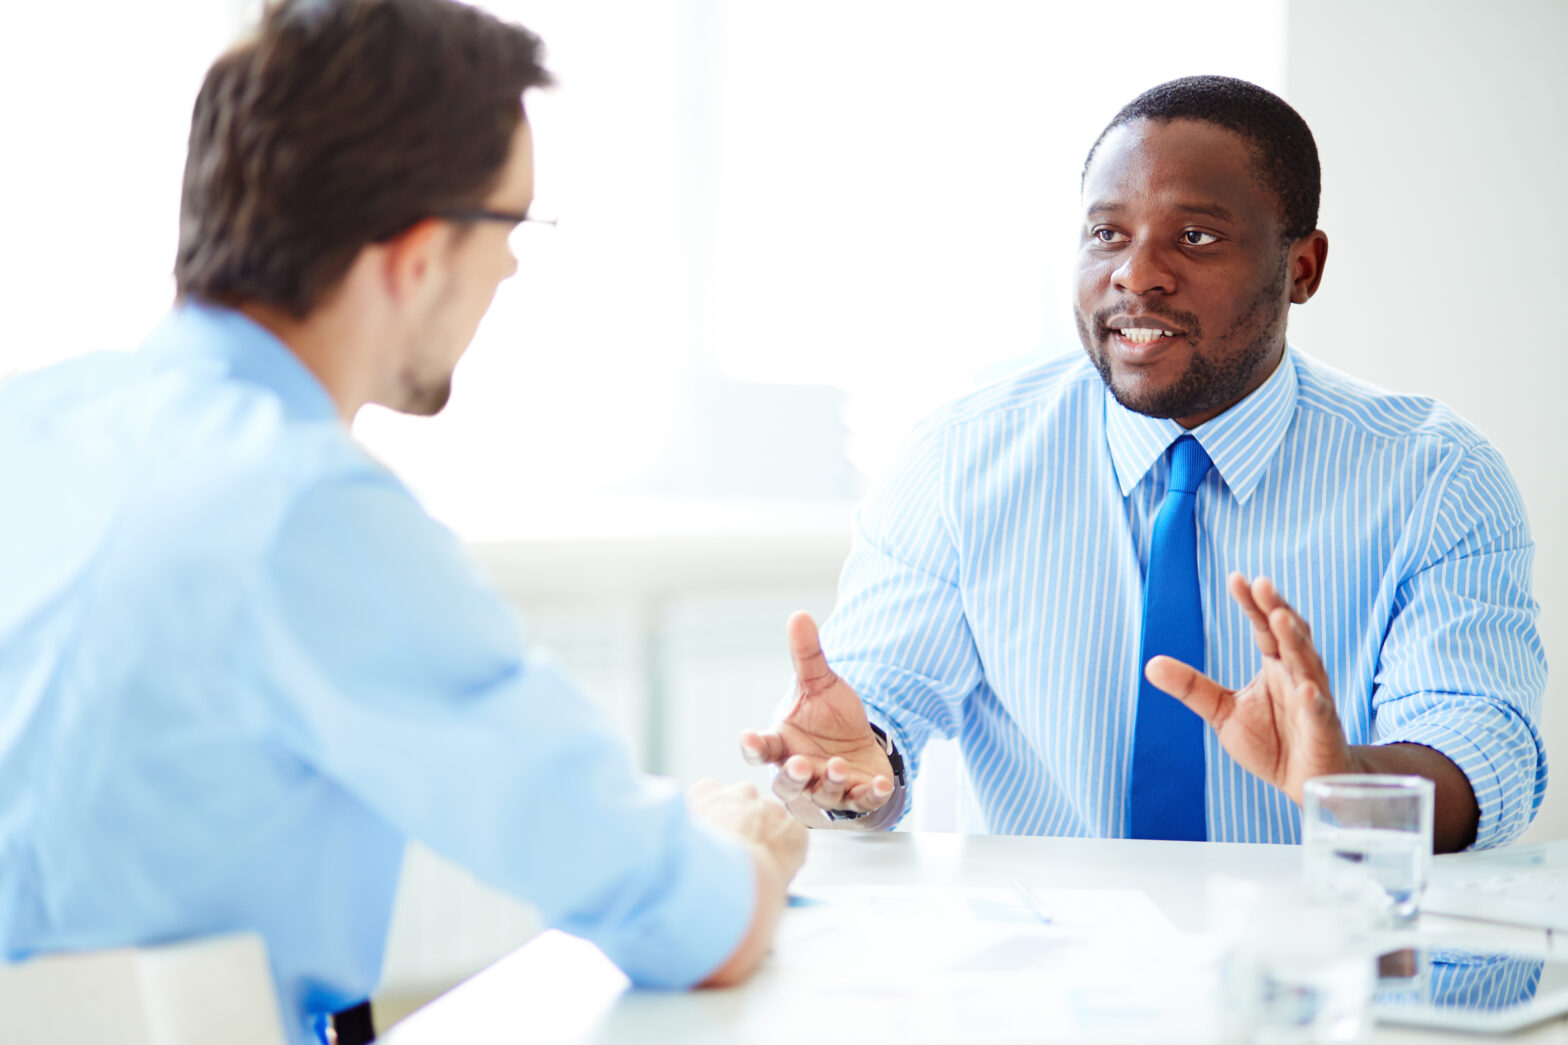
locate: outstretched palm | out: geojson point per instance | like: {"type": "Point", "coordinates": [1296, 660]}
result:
{"type": "Point", "coordinates": [827, 754]}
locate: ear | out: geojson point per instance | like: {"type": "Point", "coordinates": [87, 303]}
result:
{"type": "Point", "coordinates": [415, 259]}
{"type": "Point", "coordinates": [1308, 255]}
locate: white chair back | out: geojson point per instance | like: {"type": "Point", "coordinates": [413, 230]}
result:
{"type": "Point", "coordinates": [214, 989]}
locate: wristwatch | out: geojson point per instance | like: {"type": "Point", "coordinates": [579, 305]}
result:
{"type": "Point", "coordinates": [894, 759]}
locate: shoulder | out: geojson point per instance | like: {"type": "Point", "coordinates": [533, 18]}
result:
{"type": "Point", "coordinates": [1417, 442]}
{"type": "Point", "coordinates": [996, 434]}
{"type": "Point", "coordinates": [1331, 396]}
{"type": "Point", "coordinates": [1060, 385]}
{"type": "Point", "coordinates": [174, 452]}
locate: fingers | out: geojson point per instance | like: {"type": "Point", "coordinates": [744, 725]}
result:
{"type": "Point", "coordinates": [1261, 601]}
{"type": "Point", "coordinates": [869, 796]}
{"type": "Point", "coordinates": [838, 790]}
{"type": "Point", "coordinates": [1317, 720]}
{"type": "Point", "coordinates": [805, 651]}
{"type": "Point", "coordinates": [1278, 629]}
{"type": "Point", "coordinates": [701, 789]}
{"type": "Point", "coordinates": [800, 783]}
{"type": "Point", "coordinates": [707, 787]}
{"type": "Point", "coordinates": [829, 792]}
{"type": "Point", "coordinates": [793, 778]}
{"type": "Point", "coordinates": [1296, 648]}
{"type": "Point", "coordinates": [1269, 599]}
{"type": "Point", "coordinates": [1282, 635]}
{"type": "Point", "coordinates": [1319, 743]}
{"type": "Point", "coordinates": [1262, 634]}
{"type": "Point", "coordinates": [761, 749]}
{"type": "Point", "coordinates": [1312, 708]}
{"type": "Point", "coordinates": [1205, 697]}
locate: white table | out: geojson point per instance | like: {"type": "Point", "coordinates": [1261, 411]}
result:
{"type": "Point", "coordinates": [558, 988]}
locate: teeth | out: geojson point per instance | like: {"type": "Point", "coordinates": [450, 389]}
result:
{"type": "Point", "coordinates": [1144, 334]}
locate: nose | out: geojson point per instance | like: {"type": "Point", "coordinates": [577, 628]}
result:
{"type": "Point", "coordinates": [1144, 269]}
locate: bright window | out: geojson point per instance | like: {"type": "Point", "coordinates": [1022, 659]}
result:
{"type": "Point", "coordinates": [786, 231]}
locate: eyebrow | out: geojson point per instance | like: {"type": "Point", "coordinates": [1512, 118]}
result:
{"type": "Point", "coordinates": [1208, 210]}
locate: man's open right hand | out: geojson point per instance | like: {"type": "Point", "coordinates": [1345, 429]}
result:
{"type": "Point", "coordinates": [828, 758]}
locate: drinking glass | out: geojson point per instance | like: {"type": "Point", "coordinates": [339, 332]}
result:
{"type": "Point", "coordinates": [1296, 972]}
{"type": "Point", "coordinates": [1365, 832]}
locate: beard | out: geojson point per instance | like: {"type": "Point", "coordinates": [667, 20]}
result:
{"type": "Point", "coordinates": [425, 398]}
{"type": "Point", "coordinates": [1210, 381]}
{"type": "Point", "coordinates": [424, 384]}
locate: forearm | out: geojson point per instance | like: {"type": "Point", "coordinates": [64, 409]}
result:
{"type": "Point", "coordinates": [1455, 814]}
{"type": "Point", "coordinates": [748, 954]}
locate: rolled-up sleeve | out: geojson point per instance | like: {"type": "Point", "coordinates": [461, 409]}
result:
{"type": "Point", "coordinates": [402, 678]}
{"type": "Point", "coordinates": [899, 634]}
{"type": "Point", "coordinates": [1462, 667]}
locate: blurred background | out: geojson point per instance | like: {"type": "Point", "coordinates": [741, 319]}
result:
{"type": "Point", "coordinates": [788, 230]}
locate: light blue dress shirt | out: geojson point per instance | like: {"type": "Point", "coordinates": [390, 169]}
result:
{"type": "Point", "coordinates": [239, 666]}
{"type": "Point", "coordinates": [994, 587]}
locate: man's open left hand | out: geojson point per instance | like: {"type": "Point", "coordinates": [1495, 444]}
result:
{"type": "Point", "coordinates": [1282, 726]}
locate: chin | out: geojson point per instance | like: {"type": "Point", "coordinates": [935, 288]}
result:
{"type": "Point", "coordinates": [1185, 394]}
{"type": "Point", "coordinates": [1149, 402]}
{"type": "Point", "coordinates": [426, 401]}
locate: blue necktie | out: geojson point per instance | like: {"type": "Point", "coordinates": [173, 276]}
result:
{"type": "Point", "coordinates": [1167, 750]}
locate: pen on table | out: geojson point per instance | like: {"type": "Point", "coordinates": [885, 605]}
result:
{"type": "Point", "coordinates": [1032, 902]}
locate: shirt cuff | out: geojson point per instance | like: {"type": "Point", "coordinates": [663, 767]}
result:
{"type": "Point", "coordinates": [700, 921]}
{"type": "Point", "coordinates": [1501, 822]}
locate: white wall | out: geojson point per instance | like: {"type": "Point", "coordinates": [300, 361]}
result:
{"type": "Point", "coordinates": [1443, 129]}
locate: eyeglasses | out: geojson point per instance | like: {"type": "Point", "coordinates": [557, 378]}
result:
{"type": "Point", "coordinates": [519, 221]}
{"type": "Point", "coordinates": [511, 217]}
{"type": "Point", "coordinates": [468, 215]}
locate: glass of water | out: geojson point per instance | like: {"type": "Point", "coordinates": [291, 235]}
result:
{"type": "Point", "coordinates": [1295, 972]}
{"type": "Point", "coordinates": [1365, 832]}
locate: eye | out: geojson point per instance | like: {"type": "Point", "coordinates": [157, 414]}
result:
{"type": "Point", "coordinates": [1198, 238]}
{"type": "Point", "coordinates": [1106, 235]}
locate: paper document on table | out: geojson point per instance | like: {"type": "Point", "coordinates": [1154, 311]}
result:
{"type": "Point", "coordinates": [936, 927]}
{"type": "Point", "coordinates": [1075, 910]}
{"type": "Point", "coordinates": [1110, 910]}
{"type": "Point", "coordinates": [963, 964]}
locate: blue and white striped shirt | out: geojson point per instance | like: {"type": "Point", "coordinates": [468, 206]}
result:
{"type": "Point", "coordinates": [240, 666]}
{"type": "Point", "coordinates": [994, 590]}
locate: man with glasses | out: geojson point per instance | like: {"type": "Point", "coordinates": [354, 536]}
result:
{"type": "Point", "coordinates": [239, 665]}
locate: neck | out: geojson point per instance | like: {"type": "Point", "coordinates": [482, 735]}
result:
{"type": "Point", "coordinates": [332, 347]}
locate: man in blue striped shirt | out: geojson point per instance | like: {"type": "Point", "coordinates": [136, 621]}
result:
{"type": "Point", "coordinates": [995, 586]}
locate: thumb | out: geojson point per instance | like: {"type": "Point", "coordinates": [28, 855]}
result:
{"type": "Point", "coordinates": [1203, 696]}
{"type": "Point", "coordinates": [805, 652]}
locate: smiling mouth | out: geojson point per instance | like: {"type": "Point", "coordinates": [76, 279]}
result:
{"type": "Point", "coordinates": [1139, 329]}
{"type": "Point", "coordinates": [1143, 335]}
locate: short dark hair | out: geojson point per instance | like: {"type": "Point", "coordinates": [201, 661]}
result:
{"type": "Point", "coordinates": [1285, 153]}
{"type": "Point", "coordinates": [337, 124]}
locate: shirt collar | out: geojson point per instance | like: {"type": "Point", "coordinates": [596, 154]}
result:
{"type": "Point", "coordinates": [1240, 442]}
{"type": "Point", "coordinates": [246, 351]}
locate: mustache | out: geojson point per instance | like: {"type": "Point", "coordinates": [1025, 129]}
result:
{"type": "Point", "coordinates": [1184, 321]}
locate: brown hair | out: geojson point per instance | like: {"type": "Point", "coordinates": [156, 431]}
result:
{"type": "Point", "coordinates": [336, 124]}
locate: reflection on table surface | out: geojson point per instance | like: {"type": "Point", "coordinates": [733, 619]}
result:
{"type": "Point", "coordinates": [1461, 980]}
{"type": "Point", "coordinates": [953, 938]}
